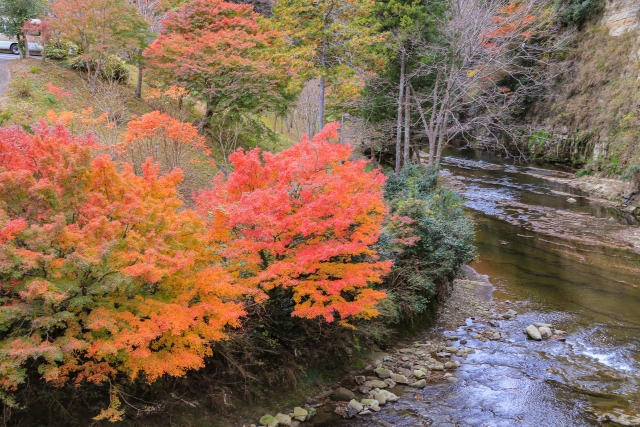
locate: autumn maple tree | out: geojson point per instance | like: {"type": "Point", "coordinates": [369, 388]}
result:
{"type": "Point", "coordinates": [219, 52]}
{"type": "Point", "coordinates": [101, 271]}
{"type": "Point", "coordinates": [304, 219]}
{"type": "Point", "coordinates": [160, 137]}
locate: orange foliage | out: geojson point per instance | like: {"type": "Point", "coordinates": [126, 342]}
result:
{"type": "Point", "coordinates": [58, 92]}
{"type": "Point", "coordinates": [101, 271]}
{"type": "Point", "coordinates": [162, 138]}
{"type": "Point", "coordinates": [514, 22]}
{"type": "Point", "coordinates": [304, 219]}
{"type": "Point", "coordinates": [222, 53]}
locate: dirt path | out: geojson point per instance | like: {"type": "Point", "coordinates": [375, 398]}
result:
{"type": "Point", "coordinates": [4, 75]}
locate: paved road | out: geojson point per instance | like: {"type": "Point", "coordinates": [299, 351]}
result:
{"type": "Point", "coordinates": [4, 73]}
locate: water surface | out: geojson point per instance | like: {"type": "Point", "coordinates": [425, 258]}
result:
{"type": "Point", "coordinates": [558, 262]}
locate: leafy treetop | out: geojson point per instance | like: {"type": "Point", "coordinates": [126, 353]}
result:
{"type": "Point", "coordinates": [306, 219]}
{"type": "Point", "coordinates": [101, 271]}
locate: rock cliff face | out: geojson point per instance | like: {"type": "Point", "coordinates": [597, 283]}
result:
{"type": "Point", "coordinates": [592, 115]}
{"type": "Point", "coordinates": [621, 16]}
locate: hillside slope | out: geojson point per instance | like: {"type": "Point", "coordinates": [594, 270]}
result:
{"type": "Point", "coordinates": [592, 115]}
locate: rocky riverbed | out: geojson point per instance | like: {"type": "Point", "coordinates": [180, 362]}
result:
{"type": "Point", "coordinates": [413, 365]}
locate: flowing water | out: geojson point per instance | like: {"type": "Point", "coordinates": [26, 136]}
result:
{"type": "Point", "coordinates": [564, 263]}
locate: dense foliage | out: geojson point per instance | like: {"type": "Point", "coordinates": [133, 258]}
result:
{"type": "Point", "coordinates": [220, 52]}
{"type": "Point", "coordinates": [100, 271]}
{"type": "Point", "coordinates": [100, 29]}
{"type": "Point", "coordinates": [103, 271]}
{"type": "Point", "coordinates": [576, 12]}
{"type": "Point", "coordinates": [440, 238]}
{"type": "Point", "coordinates": [305, 219]}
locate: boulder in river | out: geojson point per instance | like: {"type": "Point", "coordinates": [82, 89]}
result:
{"type": "Point", "coordinates": [383, 373]}
{"type": "Point", "coordinates": [353, 408]}
{"type": "Point", "coordinates": [283, 420]}
{"type": "Point", "coordinates": [436, 366]}
{"type": "Point", "coordinates": [419, 384]}
{"type": "Point", "coordinates": [540, 325]}
{"type": "Point", "coordinates": [623, 419]}
{"type": "Point", "coordinates": [381, 398]}
{"type": "Point", "coordinates": [510, 314]}
{"type": "Point", "coordinates": [372, 404]}
{"type": "Point", "coordinates": [401, 379]}
{"type": "Point", "coordinates": [342, 395]}
{"type": "Point", "coordinates": [533, 333]}
{"type": "Point", "coordinates": [545, 331]}
{"type": "Point", "coordinates": [300, 414]}
{"type": "Point", "coordinates": [419, 374]}
{"type": "Point", "coordinates": [267, 420]}
{"type": "Point", "coordinates": [378, 384]}
{"type": "Point", "coordinates": [571, 200]}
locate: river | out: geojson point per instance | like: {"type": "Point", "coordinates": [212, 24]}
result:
{"type": "Point", "coordinates": [558, 262]}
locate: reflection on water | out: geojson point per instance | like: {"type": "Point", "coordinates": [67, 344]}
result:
{"type": "Point", "coordinates": [562, 263]}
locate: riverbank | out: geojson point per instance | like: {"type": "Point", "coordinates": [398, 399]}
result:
{"type": "Point", "coordinates": [610, 191]}
{"type": "Point", "coordinates": [563, 209]}
{"type": "Point", "coordinates": [424, 359]}
{"type": "Point", "coordinates": [478, 343]}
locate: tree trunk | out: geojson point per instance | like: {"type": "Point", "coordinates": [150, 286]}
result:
{"type": "Point", "coordinates": [428, 131]}
{"type": "Point", "coordinates": [407, 126]}
{"type": "Point", "coordinates": [139, 82]}
{"type": "Point", "coordinates": [441, 140]}
{"type": "Point", "coordinates": [205, 122]}
{"type": "Point", "coordinates": [399, 121]}
{"type": "Point", "coordinates": [321, 96]}
{"type": "Point", "coordinates": [19, 38]}
{"type": "Point", "coordinates": [25, 40]}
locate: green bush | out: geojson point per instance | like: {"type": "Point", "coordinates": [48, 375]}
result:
{"type": "Point", "coordinates": [575, 12]}
{"type": "Point", "coordinates": [24, 88]}
{"type": "Point", "coordinates": [633, 172]}
{"type": "Point", "coordinates": [5, 116]}
{"type": "Point", "coordinates": [59, 51]}
{"type": "Point", "coordinates": [50, 100]}
{"type": "Point", "coordinates": [35, 70]}
{"type": "Point", "coordinates": [113, 68]}
{"type": "Point", "coordinates": [584, 172]}
{"type": "Point", "coordinates": [445, 235]}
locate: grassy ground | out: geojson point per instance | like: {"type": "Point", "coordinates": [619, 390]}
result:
{"type": "Point", "coordinates": [28, 99]}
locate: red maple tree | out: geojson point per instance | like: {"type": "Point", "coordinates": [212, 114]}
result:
{"type": "Point", "coordinates": [305, 219]}
{"type": "Point", "coordinates": [219, 51]}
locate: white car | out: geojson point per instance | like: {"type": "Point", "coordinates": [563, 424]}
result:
{"type": "Point", "coordinates": [12, 44]}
